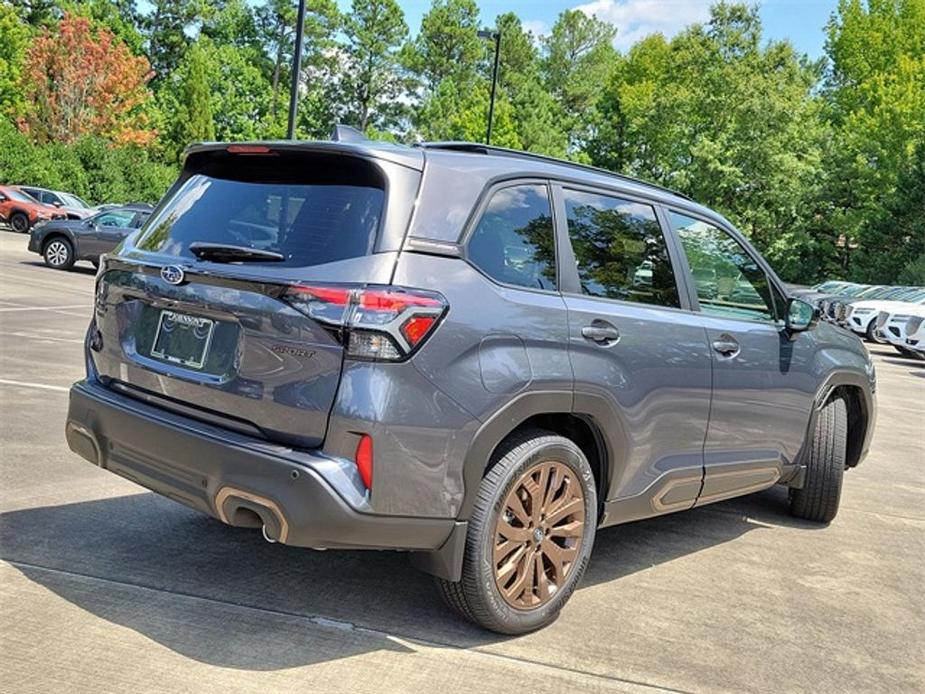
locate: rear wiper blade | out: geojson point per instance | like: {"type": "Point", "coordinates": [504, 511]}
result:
{"type": "Point", "coordinates": [224, 253]}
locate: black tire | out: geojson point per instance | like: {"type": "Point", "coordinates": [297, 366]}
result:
{"type": "Point", "coordinates": [19, 222]}
{"type": "Point", "coordinates": [818, 499]}
{"type": "Point", "coordinates": [871, 333]}
{"type": "Point", "coordinates": [476, 596]}
{"type": "Point", "coordinates": [906, 352]}
{"type": "Point", "coordinates": [58, 253]}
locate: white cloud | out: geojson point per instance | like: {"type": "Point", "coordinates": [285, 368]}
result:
{"type": "Point", "coordinates": [635, 19]}
{"type": "Point", "coordinates": [537, 27]}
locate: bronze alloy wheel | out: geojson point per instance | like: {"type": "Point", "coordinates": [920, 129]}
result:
{"type": "Point", "coordinates": [538, 535]}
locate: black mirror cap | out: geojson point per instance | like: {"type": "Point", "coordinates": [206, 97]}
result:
{"type": "Point", "coordinates": [801, 315]}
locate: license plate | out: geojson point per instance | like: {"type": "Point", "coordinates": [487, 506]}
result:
{"type": "Point", "coordinates": [183, 339]}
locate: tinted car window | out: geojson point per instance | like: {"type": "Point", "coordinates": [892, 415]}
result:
{"type": "Point", "coordinates": [729, 281]}
{"type": "Point", "coordinates": [115, 219]}
{"type": "Point", "coordinates": [620, 250]}
{"type": "Point", "coordinates": [309, 224]}
{"type": "Point", "coordinates": [514, 241]}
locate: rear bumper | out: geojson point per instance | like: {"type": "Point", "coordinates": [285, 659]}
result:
{"type": "Point", "coordinates": [302, 498]}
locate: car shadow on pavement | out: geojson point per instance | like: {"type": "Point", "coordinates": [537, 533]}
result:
{"type": "Point", "coordinates": [224, 596]}
{"type": "Point", "coordinates": [81, 269]}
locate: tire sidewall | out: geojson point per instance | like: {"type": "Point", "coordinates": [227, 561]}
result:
{"type": "Point", "coordinates": [16, 216]}
{"type": "Point", "coordinates": [70, 250]}
{"type": "Point", "coordinates": [872, 332]}
{"type": "Point", "coordinates": [518, 621]}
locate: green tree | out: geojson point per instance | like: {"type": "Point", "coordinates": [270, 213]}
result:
{"type": "Point", "coordinates": [375, 31]}
{"type": "Point", "coordinates": [875, 93]}
{"type": "Point", "coordinates": [731, 122]}
{"type": "Point", "coordinates": [166, 28]}
{"type": "Point", "coordinates": [894, 240]}
{"type": "Point", "coordinates": [579, 56]}
{"type": "Point", "coordinates": [536, 116]}
{"type": "Point", "coordinates": [447, 46]}
{"type": "Point", "coordinates": [276, 20]}
{"type": "Point", "coordinates": [196, 120]}
{"type": "Point", "coordinates": [14, 37]}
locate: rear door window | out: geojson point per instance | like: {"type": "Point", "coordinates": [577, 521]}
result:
{"type": "Point", "coordinates": [514, 242]}
{"type": "Point", "coordinates": [620, 249]}
{"type": "Point", "coordinates": [308, 223]}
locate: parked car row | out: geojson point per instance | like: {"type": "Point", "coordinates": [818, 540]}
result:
{"type": "Point", "coordinates": [22, 207]}
{"type": "Point", "coordinates": [880, 313]}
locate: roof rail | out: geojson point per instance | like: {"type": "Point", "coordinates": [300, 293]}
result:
{"type": "Point", "coordinates": [479, 148]}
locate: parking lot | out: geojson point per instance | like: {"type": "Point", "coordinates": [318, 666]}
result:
{"type": "Point", "coordinates": [108, 588]}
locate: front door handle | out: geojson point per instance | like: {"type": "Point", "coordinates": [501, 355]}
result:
{"type": "Point", "coordinates": [726, 345]}
{"type": "Point", "coordinates": [600, 332]}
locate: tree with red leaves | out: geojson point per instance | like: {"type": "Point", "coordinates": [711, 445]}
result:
{"type": "Point", "coordinates": [80, 81]}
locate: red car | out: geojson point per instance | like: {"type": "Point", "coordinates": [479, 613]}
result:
{"type": "Point", "coordinates": [20, 210]}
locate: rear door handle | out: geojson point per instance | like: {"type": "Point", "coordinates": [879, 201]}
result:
{"type": "Point", "coordinates": [726, 345]}
{"type": "Point", "coordinates": [600, 332]}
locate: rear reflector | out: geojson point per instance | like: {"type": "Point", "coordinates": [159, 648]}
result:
{"type": "Point", "coordinates": [364, 460]}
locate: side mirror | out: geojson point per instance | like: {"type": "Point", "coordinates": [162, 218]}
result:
{"type": "Point", "coordinates": [800, 315]}
{"type": "Point", "coordinates": [57, 203]}
{"type": "Point", "coordinates": [2, 197]}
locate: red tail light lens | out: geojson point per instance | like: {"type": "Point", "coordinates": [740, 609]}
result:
{"type": "Point", "coordinates": [364, 460]}
{"type": "Point", "coordinates": [377, 323]}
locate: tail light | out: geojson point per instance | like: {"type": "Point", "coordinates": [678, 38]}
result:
{"type": "Point", "coordinates": [376, 323]}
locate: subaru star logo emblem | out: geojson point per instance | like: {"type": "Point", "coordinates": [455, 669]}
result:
{"type": "Point", "coordinates": [172, 274]}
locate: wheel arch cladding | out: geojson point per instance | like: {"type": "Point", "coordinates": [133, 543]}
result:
{"type": "Point", "coordinates": [858, 421]}
{"type": "Point", "coordinates": [550, 411]}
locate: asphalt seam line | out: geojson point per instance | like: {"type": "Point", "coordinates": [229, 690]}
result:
{"type": "Point", "coordinates": [327, 622]}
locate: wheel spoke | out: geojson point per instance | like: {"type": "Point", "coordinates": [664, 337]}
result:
{"type": "Point", "coordinates": [504, 549]}
{"type": "Point", "coordinates": [542, 580]}
{"type": "Point", "coordinates": [558, 556]}
{"type": "Point", "coordinates": [574, 528]}
{"type": "Point", "coordinates": [524, 580]}
{"type": "Point", "coordinates": [511, 565]}
{"type": "Point", "coordinates": [516, 506]}
{"type": "Point", "coordinates": [510, 532]}
{"type": "Point", "coordinates": [574, 505]}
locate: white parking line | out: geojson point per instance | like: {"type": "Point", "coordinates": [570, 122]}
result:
{"type": "Point", "coordinates": [27, 384]}
{"type": "Point", "coordinates": [47, 338]}
{"type": "Point", "coordinates": [43, 308]}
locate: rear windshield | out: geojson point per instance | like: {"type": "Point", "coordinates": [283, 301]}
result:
{"type": "Point", "coordinates": [309, 223]}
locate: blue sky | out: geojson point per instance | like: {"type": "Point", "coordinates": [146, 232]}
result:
{"type": "Point", "coordinates": [800, 21]}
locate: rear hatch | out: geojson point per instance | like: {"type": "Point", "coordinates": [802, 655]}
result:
{"type": "Point", "coordinates": [205, 312]}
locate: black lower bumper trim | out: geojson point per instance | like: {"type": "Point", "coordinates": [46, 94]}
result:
{"type": "Point", "coordinates": [193, 462]}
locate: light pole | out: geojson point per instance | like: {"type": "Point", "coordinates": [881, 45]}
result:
{"type": "Point", "coordinates": [496, 35]}
{"type": "Point", "coordinates": [296, 69]}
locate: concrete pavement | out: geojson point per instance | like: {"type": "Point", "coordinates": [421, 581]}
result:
{"type": "Point", "coordinates": [105, 587]}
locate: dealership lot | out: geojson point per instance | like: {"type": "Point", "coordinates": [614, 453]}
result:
{"type": "Point", "coordinates": [105, 587]}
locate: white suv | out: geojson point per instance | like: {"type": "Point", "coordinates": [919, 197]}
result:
{"type": "Point", "coordinates": [891, 325]}
{"type": "Point", "coordinates": [915, 335]}
{"type": "Point", "coordinates": [861, 316]}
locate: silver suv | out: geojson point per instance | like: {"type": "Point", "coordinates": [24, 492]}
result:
{"type": "Point", "coordinates": [475, 355]}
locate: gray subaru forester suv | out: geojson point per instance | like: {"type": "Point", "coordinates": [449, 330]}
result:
{"type": "Point", "coordinates": [475, 355]}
